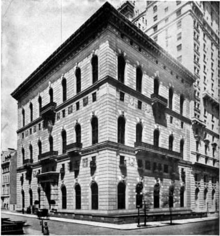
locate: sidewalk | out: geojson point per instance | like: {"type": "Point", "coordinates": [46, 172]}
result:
{"type": "Point", "coordinates": [115, 226]}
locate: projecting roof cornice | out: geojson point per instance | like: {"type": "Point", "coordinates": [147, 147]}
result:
{"type": "Point", "coordinates": [107, 14]}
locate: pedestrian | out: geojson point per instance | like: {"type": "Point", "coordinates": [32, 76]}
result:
{"type": "Point", "coordinates": [46, 229]}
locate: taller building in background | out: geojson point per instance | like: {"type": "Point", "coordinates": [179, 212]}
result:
{"type": "Point", "coordinates": [9, 178]}
{"type": "Point", "coordinates": [189, 31]}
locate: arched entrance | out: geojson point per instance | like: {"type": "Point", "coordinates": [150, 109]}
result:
{"type": "Point", "coordinates": [95, 196]}
{"type": "Point", "coordinates": [157, 195]}
{"type": "Point", "coordinates": [78, 196]}
{"type": "Point", "coordinates": [121, 195]}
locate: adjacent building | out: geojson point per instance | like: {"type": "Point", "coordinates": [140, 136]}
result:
{"type": "Point", "coordinates": [189, 31]}
{"type": "Point", "coordinates": [9, 179]}
{"type": "Point", "coordinates": [105, 118]}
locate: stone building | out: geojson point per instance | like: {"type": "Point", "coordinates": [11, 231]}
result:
{"type": "Point", "coordinates": [105, 118]}
{"type": "Point", "coordinates": [9, 179]}
{"type": "Point", "coordinates": [189, 31]}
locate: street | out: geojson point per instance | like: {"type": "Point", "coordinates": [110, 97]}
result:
{"type": "Point", "coordinates": [209, 227]}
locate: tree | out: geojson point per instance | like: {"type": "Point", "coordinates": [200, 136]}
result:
{"type": "Point", "coordinates": [170, 197]}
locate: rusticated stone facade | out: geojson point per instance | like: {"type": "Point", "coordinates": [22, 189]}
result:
{"type": "Point", "coordinates": [94, 124]}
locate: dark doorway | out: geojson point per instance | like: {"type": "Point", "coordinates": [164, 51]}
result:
{"type": "Point", "coordinates": [94, 189]}
{"type": "Point", "coordinates": [78, 196]}
{"type": "Point", "coordinates": [121, 195]}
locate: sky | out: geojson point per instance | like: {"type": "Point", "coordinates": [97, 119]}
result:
{"type": "Point", "coordinates": [31, 31]}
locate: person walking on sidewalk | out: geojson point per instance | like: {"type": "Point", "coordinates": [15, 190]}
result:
{"type": "Point", "coordinates": [46, 229]}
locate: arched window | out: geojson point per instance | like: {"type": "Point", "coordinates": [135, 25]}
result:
{"type": "Point", "coordinates": [78, 196]}
{"type": "Point", "coordinates": [156, 86]}
{"type": "Point", "coordinates": [95, 130]}
{"type": "Point", "coordinates": [31, 151]}
{"type": "Point", "coordinates": [156, 137]}
{"type": "Point", "coordinates": [157, 195]}
{"type": "Point", "coordinates": [51, 94]}
{"type": "Point", "coordinates": [182, 190]}
{"type": "Point", "coordinates": [94, 69]}
{"type": "Point", "coordinates": [181, 104]}
{"type": "Point", "coordinates": [23, 199]}
{"type": "Point", "coordinates": [139, 79]}
{"type": "Point", "coordinates": [63, 192]}
{"type": "Point", "coordinates": [196, 194]}
{"type": "Point", "coordinates": [64, 89]}
{"type": "Point", "coordinates": [205, 193]}
{"type": "Point", "coordinates": [78, 133]}
{"type": "Point", "coordinates": [63, 134]}
{"type": "Point", "coordinates": [23, 154]}
{"type": "Point", "coordinates": [40, 104]}
{"type": "Point", "coordinates": [95, 196]}
{"type": "Point", "coordinates": [39, 148]}
{"type": "Point", "coordinates": [51, 143]}
{"type": "Point", "coordinates": [121, 195]}
{"type": "Point", "coordinates": [171, 98]}
{"type": "Point", "coordinates": [23, 117]}
{"type": "Point", "coordinates": [121, 69]}
{"type": "Point", "coordinates": [31, 197]}
{"type": "Point", "coordinates": [139, 133]}
{"type": "Point", "coordinates": [78, 80]}
{"type": "Point", "coordinates": [171, 191]}
{"type": "Point", "coordinates": [182, 147]}
{"type": "Point", "coordinates": [39, 193]}
{"type": "Point", "coordinates": [121, 130]}
{"type": "Point", "coordinates": [213, 196]}
{"type": "Point", "coordinates": [31, 112]}
{"type": "Point", "coordinates": [171, 142]}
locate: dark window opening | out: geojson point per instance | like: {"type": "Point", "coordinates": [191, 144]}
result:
{"type": "Point", "coordinates": [95, 200]}
{"type": "Point", "coordinates": [23, 154]}
{"type": "Point", "coordinates": [156, 137]}
{"type": "Point", "coordinates": [139, 79]}
{"type": "Point", "coordinates": [51, 94]}
{"type": "Point", "coordinates": [156, 195]}
{"type": "Point", "coordinates": [77, 106]}
{"type": "Point", "coordinates": [181, 104]}
{"type": "Point", "coordinates": [171, 98]}
{"type": "Point", "coordinates": [181, 147]}
{"type": "Point", "coordinates": [121, 68]}
{"type": "Point", "coordinates": [64, 141]}
{"type": "Point", "coordinates": [64, 90]}
{"type": "Point", "coordinates": [122, 96]}
{"type": "Point", "coordinates": [31, 112]}
{"type": "Point", "coordinates": [78, 196]}
{"type": "Point", "coordinates": [156, 86]}
{"type": "Point", "coordinates": [78, 80]}
{"type": "Point", "coordinates": [64, 197]}
{"type": "Point", "coordinates": [139, 105]}
{"type": "Point", "coordinates": [78, 133]}
{"type": "Point", "coordinates": [94, 97]}
{"type": "Point", "coordinates": [31, 152]}
{"type": "Point", "coordinates": [39, 103]}
{"type": "Point", "coordinates": [121, 130]}
{"type": "Point", "coordinates": [171, 142]}
{"type": "Point", "coordinates": [51, 143]}
{"type": "Point", "coordinates": [182, 196]}
{"type": "Point", "coordinates": [39, 147]}
{"type": "Point", "coordinates": [23, 117]}
{"type": "Point", "coordinates": [94, 123]}
{"type": "Point", "coordinates": [94, 69]}
{"type": "Point", "coordinates": [121, 195]}
{"type": "Point", "coordinates": [139, 133]}
{"type": "Point", "coordinates": [31, 197]}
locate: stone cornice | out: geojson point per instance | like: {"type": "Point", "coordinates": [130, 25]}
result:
{"type": "Point", "coordinates": [107, 14]}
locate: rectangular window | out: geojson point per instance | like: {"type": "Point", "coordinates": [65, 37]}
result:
{"type": "Point", "coordinates": [140, 163]}
{"type": "Point", "coordinates": [94, 97]}
{"type": "Point", "coordinates": [165, 168]}
{"type": "Point", "coordinates": [166, 9]}
{"type": "Point", "coordinates": [178, 13]}
{"type": "Point", "coordinates": [139, 105]}
{"type": "Point", "coordinates": [58, 115]}
{"type": "Point", "coordinates": [35, 128]}
{"type": "Point", "coordinates": [147, 165]}
{"type": "Point", "coordinates": [171, 119]}
{"type": "Point", "coordinates": [39, 126]}
{"type": "Point", "coordinates": [122, 96]}
{"type": "Point", "coordinates": [63, 113]}
{"type": "Point", "coordinates": [155, 38]}
{"type": "Point", "coordinates": [70, 109]}
{"type": "Point", "coordinates": [30, 130]}
{"type": "Point", "coordinates": [179, 58]}
{"type": "Point", "coordinates": [85, 101]}
{"type": "Point", "coordinates": [179, 36]}
{"type": "Point", "coordinates": [22, 135]}
{"type": "Point", "coordinates": [182, 124]}
{"type": "Point", "coordinates": [155, 28]}
{"type": "Point", "coordinates": [122, 160]}
{"type": "Point", "coordinates": [179, 24]}
{"type": "Point", "coordinates": [155, 18]}
{"type": "Point", "coordinates": [155, 8]}
{"type": "Point", "coordinates": [77, 106]}
{"type": "Point", "coordinates": [179, 47]}
{"type": "Point", "coordinates": [178, 2]}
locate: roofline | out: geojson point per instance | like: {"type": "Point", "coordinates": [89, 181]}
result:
{"type": "Point", "coordinates": [106, 14]}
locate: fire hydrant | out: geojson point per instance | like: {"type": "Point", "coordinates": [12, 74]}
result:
{"type": "Point", "coordinates": [46, 229]}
